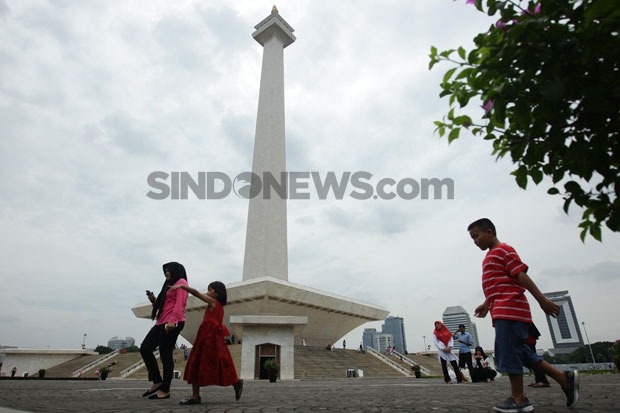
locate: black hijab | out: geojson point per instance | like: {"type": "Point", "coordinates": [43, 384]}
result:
{"type": "Point", "coordinates": [177, 271]}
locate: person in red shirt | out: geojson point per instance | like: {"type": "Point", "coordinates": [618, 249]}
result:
{"type": "Point", "coordinates": [210, 363]}
{"type": "Point", "coordinates": [541, 378]}
{"type": "Point", "coordinates": [504, 282]}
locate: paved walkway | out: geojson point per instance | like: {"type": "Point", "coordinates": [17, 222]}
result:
{"type": "Point", "coordinates": [599, 393]}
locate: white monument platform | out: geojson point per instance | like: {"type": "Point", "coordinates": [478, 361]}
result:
{"type": "Point", "coordinates": [330, 316]}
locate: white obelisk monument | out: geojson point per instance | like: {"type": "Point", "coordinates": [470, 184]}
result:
{"type": "Point", "coordinates": [265, 310]}
{"type": "Point", "coordinates": [266, 251]}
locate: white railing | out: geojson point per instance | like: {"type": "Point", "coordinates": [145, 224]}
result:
{"type": "Point", "coordinates": [407, 360]}
{"type": "Point", "coordinates": [389, 362]}
{"type": "Point", "coordinates": [135, 367]}
{"type": "Point", "coordinates": [95, 363]}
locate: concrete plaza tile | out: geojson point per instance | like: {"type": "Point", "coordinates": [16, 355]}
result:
{"type": "Point", "coordinates": [599, 393]}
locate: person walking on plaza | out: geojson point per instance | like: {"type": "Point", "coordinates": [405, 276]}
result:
{"type": "Point", "coordinates": [540, 378]}
{"type": "Point", "coordinates": [444, 343]}
{"type": "Point", "coordinates": [465, 341]}
{"type": "Point", "coordinates": [13, 371]}
{"type": "Point", "coordinates": [210, 363]}
{"type": "Point", "coordinates": [504, 283]}
{"type": "Point", "coordinates": [169, 313]}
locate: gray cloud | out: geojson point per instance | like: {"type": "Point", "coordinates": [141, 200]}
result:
{"type": "Point", "coordinates": [600, 271]}
{"type": "Point", "coordinates": [4, 9]}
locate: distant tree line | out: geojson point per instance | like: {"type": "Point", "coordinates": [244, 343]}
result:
{"type": "Point", "coordinates": [106, 350]}
{"type": "Point", "coordinates": [602, 354]}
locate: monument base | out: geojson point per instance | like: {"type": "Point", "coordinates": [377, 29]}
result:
{"type": "Point", "coordinates": [267, 337]}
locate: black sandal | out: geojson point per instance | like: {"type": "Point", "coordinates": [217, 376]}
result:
{"type": "Point", "coordinates": [156, 397]}
{"type": "Point", "coordinates": [149, 392]}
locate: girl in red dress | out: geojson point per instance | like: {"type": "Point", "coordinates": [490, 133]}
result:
{"type": "Point", "coordinates": [209, 361]}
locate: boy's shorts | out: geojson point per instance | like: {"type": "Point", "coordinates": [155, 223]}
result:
{"type": "Point", "coordinates": [511, 352]}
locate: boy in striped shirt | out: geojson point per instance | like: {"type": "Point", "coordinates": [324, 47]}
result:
{"type": "Point", "coordinates": [504, 282]}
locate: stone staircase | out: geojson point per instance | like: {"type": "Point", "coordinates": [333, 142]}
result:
{"type": "Point", "coordinates": [311, 363]}
{"type": "Point", "coordinates": [142, 374]}
{"type": "Point", "coordinates": [67, 368]}
{"type": "Point", "coordinates": [121, 362]}
{"type": "Point", "coordinates": [406, 360]}
{"type": "Point", "coordinates": [315, 363]}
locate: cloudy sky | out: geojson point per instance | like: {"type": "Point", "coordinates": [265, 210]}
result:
{"type": "Point", "coordinates": [96, 95]}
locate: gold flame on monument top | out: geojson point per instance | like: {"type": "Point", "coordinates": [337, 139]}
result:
{"type": "Point", "coordinates": [274, 9]}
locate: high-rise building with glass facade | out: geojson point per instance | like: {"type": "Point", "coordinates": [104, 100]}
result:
{"type": "Point", "coordinates": [396, 327]}
{"type": "Point", "coordinates": [377, 340]}
{"type": "Point", "coordinates": [453, 316]}
{"type": "Point", "coordinates": [118, 343]}
{"type": "Point", "coordinates": [368, 337]}
{"type": "Point", "coordinates": [564, 328]}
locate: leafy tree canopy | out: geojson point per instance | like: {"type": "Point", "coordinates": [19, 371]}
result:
{"type": "Point", "coordinates": [103, 349]}
{"type": "Point", "coordinates": [547, 74]}
{"type": "Point", "coordinates": [602, 351]}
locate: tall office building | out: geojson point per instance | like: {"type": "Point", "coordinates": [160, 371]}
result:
{"type": "Point", "coordinates": [396, 327]}
{"type": "Point", "coordinates": [119, 343]}
{"type": "Point", "coordinates": [453, 316]}
{"type": "Point", "coordinates": [383, 342]}
{"type": "Point", "coordinates": [368, 337]}
{"type": "Point", "coordinates": [564, 328]}
{"type": "Point", "coordinates": [379, 341]}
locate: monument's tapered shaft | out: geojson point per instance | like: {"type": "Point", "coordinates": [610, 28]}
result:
{"type": "Point", "coordinates": [266, 250]}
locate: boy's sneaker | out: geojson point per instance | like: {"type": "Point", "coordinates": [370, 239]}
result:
{"type": "Point", "coordinates": [572, 389]}
{"type": "Point", "coordinates": [510, 406]}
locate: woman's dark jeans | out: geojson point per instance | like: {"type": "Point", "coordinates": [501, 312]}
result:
{"type": "Point", "coordinates": [158, 337]}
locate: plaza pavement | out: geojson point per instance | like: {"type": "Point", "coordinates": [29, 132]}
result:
{"type": "Point", "coordinates": [599, 393]}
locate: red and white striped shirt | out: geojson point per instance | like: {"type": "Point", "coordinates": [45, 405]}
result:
{"type": "Point", "coordinates": [505, 296]}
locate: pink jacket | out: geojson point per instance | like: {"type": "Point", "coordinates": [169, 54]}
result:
{"type": "Point", "coordinates": [174, 307]}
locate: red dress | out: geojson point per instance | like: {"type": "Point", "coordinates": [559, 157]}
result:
{"type": "Point", "coordinates": [209, 361]}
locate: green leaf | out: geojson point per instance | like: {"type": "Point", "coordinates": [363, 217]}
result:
{"type": "Point", "coordinates": [454, 134]}
{"type": "Point", "coordinates": [464, 73]}
{"type": "Point", "coordinates": [557, 176]}
{"type": "Point", "coordinates": [521, 177]}
{"type": "Point", "coordinates": [536, 175]}
{"type": "Point", "coordinates": [446, 53]}
{"type": "Point", "coordinates": [553, 191]}
{"type": "Point", "coordinates": [573, 187]}
{"type": "Point", "coordinates": [462, 53]}
{"type": "Point", "coordinates": [449, 74]}
{"type": "Point", "coordinates": [462, 120]}
{"type": "Point", "coordinates": [595, 231]}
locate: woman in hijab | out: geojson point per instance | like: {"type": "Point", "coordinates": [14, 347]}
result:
{"type": "Point", "coordinates": [444, 342]}
{"type": "Point", "coordinates": [169, 315]}
{"type": "Point", "coordinates": [482, 370]}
